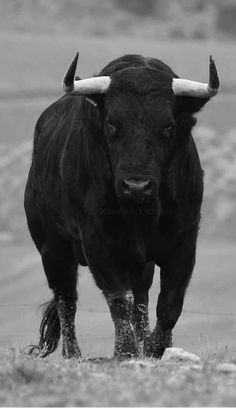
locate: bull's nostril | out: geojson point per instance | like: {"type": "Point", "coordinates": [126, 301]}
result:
{"type": "Point", "coordinates": [136, 185]}
{"type": "Point", "coordinates": [130, 186]}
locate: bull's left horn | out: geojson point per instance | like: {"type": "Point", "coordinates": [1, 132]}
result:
{"type": "Point", "coordinates": [186, 87]}
{"type": "Point", "coordinates": [84, 86]}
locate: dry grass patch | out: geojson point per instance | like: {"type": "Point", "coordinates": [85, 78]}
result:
{"type": "Point", "coordinates": [105, 382]}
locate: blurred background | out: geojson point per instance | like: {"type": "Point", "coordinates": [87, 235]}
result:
{"type": "Point", "coordinates": [38, 39]}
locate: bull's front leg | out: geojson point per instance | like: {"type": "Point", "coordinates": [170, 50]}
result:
{"type": "Point", "coordinates": [121, 305]}
{"type": "Point", "coordinates": [175, 276]}
{"type": "Point", "coordinates": [141, 285]}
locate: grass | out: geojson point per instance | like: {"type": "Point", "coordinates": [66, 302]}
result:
{"type": "Point", "coordinates": [105, 382]}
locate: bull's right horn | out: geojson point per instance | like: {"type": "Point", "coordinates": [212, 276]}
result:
{"type": "Point", "coordinates": [186, 87]}
{"type": "Point", "coordinates": [84, 86]}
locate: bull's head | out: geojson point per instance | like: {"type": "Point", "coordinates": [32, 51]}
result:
{"type": "Point", "coordinates": [143, 105]}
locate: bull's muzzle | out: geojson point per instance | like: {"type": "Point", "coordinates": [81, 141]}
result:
{"type": "Point", "coordinates": [136, 189]}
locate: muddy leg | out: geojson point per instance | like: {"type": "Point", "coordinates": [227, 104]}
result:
{"type": "Point", "coordinates": [120, 305]}
{"type": "Point", "coordinates": [141, 287]}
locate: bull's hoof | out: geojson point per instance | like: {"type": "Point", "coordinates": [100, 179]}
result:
{"type": "Point", "coordinates": [126, 353]}
{"type": "Point", "coordinates": [126, 349]}
{"type": "Point", "coordinates": [158, 341]}
{"type": "Point", "coordinates": [155, 351]}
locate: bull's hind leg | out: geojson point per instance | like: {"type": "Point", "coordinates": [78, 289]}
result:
{"type": "Point", "coordinates": [175, 276]}
{"type": "Point", "coordinates": [120, 305]}
{"type": "Point", "coordinates": [61, 271]}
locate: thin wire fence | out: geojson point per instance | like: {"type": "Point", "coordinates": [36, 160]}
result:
{"type": "Point", "coordinates": [10, 336]}
{"type": "Point", "coordinates": [93, 310]}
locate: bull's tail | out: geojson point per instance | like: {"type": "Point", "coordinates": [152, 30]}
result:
{"type": "Point", "coordinates": [49, 330]}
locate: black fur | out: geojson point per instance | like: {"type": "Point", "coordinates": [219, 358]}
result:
{"type": "Point", "coordinates": [78, 213]}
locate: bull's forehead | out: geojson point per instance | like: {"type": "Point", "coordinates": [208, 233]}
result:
{"type": "Point", "coordinates": [146, 110]}
{"type": "Point", "coordinates": [143, 81]}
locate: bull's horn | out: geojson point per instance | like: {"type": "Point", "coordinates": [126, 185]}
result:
{"type": "Point", "coordinates": [84, 86]}
{"type": "Point", "coordinates": [185, 87]}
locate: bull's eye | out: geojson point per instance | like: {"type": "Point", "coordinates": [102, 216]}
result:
{"type": "Point", "coordinates": [168, 131]}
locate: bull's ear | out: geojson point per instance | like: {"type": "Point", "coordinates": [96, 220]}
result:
{"type": "Point", "coordinates": [95, 100]}
{"type": "Point", "coordinates": [91, 101]}
{"type": "Point", "coordinates": [184, 124]}
{"type": "Point", "coordinates": [189, 104]}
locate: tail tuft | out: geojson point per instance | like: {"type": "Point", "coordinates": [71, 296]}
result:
{"type": "Point", "coordinates": [49, 330]}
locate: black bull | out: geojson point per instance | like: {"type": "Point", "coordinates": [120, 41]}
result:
{"type": "Point", "coordinates": [117, 185]}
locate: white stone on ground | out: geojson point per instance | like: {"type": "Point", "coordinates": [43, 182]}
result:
{"type": "Point", "coordinates": [179, 355]}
